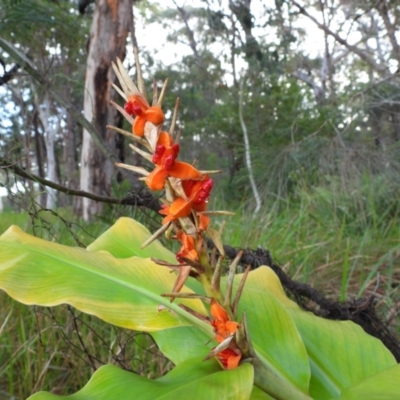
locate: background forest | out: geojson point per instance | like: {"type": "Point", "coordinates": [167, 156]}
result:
{"type": "Point", "coordinates": [298, 103]}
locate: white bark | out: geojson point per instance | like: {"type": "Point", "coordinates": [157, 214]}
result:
{"type": "Point", "coordinates": [110, 27]}
{"type": "Point", "coordinates": [50, 126]}
{"type": "Point", "coordinates": [247, 151]}
{"type": "Point", "coordinates": [87, 141]}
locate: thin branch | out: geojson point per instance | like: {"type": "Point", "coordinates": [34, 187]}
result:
{"type": "Point", "coordinates": [318, 91]}
{"type": "Point", "coordinates": [390, 29]}
{"type": "Point", "coordinates": [247, 150]}
{"type": "Point", "coordinates": [369, 60]}
{"type": "Point", "coordinates": [190, 34]}
{"type": "Point", "coordinates": [132, 199]}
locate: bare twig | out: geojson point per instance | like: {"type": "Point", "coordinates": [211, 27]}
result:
{"type": "Point", "coordinates": [132, 199]}
{"type": "Point", "coordinates": [365, 57]}
{"type": "Point", "coordinates": [247, 150]}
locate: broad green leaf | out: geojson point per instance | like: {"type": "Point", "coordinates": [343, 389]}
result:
{"type": "Point", "coordinates": [340, 353]}
{"type": "Point", "coordinates": [193, 379]}
{"type": "Point", "coordinates": [124, 292]}
{"type": "Point", "coordinates": [382, 386]}
{"type": "Point", "coordinates": [124, 239]}
{"type": "Point", "coordinates": [183, 343]}
{"type": "Point", "coordinates": [273, 333]}
{"type": "Point", "coordinates": [258, 394]}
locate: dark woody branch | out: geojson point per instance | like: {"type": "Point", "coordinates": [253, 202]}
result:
{"type": "Point", "coordinates": [141, 198]}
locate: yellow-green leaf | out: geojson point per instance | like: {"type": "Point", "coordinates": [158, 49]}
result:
{"type": "Point", "coordinates": [193, 379]}
{"type": "Point", "coordinates": [340, 353]}
{"type": "Point", "coordinates": [125, 238]}
{"type": "Point", "coordinates": [272, 330]}
{"type": "Point", "coordinates": [381, 386]}
{"type": "Point", "coordinates": [124, 292]}
{"type": "Point", "coordinates": [182, 343]}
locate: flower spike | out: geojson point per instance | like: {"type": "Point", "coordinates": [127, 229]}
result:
{"type": "Point", "coordinates": [185, 215]}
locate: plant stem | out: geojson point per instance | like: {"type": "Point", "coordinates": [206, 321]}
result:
{"type": "Point", "coordinates": [271, 384]}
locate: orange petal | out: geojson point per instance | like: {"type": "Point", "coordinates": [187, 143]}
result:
{"type": "Point", "coordinates": [180, 208]}
{"type": "Point", "coordinates": [138, 126]}
{"type": "Point", "coordinates": [231, 326]}
{"type": "Point", "coordinates": [156, 179]}
{"type": "Point", "coordinates": [218, 312]}
{"type": "Point", "coordinates": [154, 115]}
{"type": "Point", "coordinates": [182, 170]}
{"type": "Point", "coordinates": [229, 359]}
{"type": "Point", "coordinates": [190, 254]}
{"type": "Point", "coordinates": [203, 220]}
{"type": "Point", "coordinates": [186, 240]}
{"type": "Point", "coordinates": [165, 139]}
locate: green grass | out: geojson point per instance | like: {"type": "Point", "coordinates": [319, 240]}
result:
{"type": "Point", "coordinates": [345, 255]}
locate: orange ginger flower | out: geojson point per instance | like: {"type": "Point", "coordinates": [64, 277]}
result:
{"type": "Point", "coordinates": [188, 247]}
{"type": "Point", "coordinates": [224, 328]}
{"type": "Point", "coordinates": [229, 358]}
{"type": "Point", "coordinates": [197, 193]}
{"type": "Point", "coordinates": [164, 158]}
{"type": "Point", "coordinates": [137, 105]}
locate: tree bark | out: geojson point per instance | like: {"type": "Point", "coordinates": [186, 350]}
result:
{"type": "Point", "coordinates": [70, 141]}
{"type": "Point", "coordinates": [110, 28]}
{"type": "Point", "coordinates": [50, 127]}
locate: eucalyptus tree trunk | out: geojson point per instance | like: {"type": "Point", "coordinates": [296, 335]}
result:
{"type": "Point", "coordinates": [51, 126]}
{"type": "Point", "coordinates": [110, 28]}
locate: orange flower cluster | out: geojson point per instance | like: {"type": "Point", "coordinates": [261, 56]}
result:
{"type": "Point", "coordinates": [225, 328]}
{"type": "Point", "coordinates": [197, 193]}
{"type": "Point", "coordinates": [196, 186]}
{"type": "Point", "coordinates": [164, 158]}
{"type": "Point", "coordinates": [138, 106]}
{"type": "Point", "coordinates": [187, 192]}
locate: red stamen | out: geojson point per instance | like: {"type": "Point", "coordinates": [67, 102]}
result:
{"type": "Point", "coordinates": [168, 162]}
{"type": "Point", "coordinates": [158, 154]}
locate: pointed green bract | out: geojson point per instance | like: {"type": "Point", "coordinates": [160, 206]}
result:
{"type": "Point", "coordinates": [125, 238]}
{"type": "Point", "coordinates": [193, 379]}
{"type": "Point", "coordinates": [123, 292]}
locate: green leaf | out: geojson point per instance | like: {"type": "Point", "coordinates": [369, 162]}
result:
{"type": "Point", "coordinates": [339, 352]}
{"type": "Point", "coordinates": [258, 394]}
{"type": "Point", "coordinates": [124, 292]}
{"type": "Point", "coordinates": [273, 333]}
{"type": "Point", "coordinates": [182, 343]}
{"type": "Point", "coordinates": [124, 239]}
{"type": "Point", "coordinates": [382, 386]}
{"type": "Point", "coordinates": [193, 379]}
